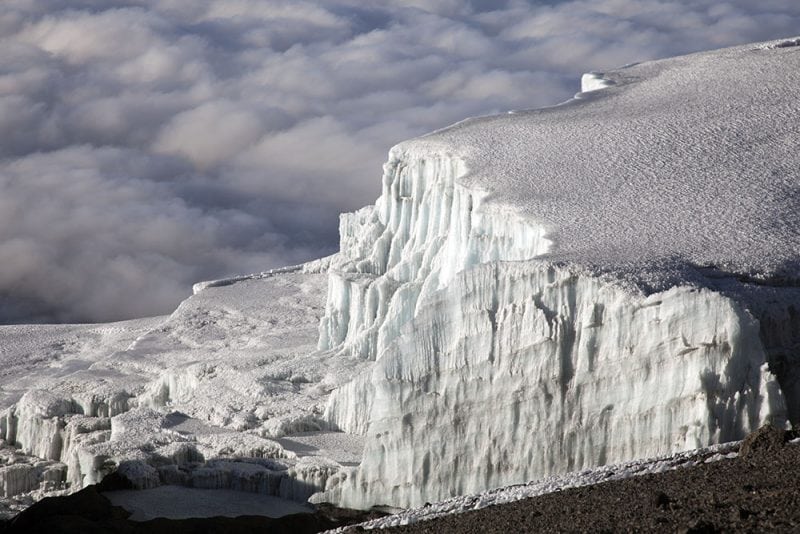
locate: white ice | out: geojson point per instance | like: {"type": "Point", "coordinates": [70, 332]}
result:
{"type": "Point", "coordinates": [226, 393]}
{"type": "Point", "coordinates": [594, 81]}
{"type": "Point", "coordinates": [551, 290]}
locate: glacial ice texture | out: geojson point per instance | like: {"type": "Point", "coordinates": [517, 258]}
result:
{"type": "Point", "coordinates": [519, 371]}
{"type": "Point", "coordinates": [205, 398]}
{"type": "Point", "coordinates": [563, 288]}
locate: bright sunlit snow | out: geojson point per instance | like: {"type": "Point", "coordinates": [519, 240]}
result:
{"type": "Point", "coordinates": [681, 164]}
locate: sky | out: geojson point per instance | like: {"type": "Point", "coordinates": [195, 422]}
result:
{"type": "Point", "coordinates": [149, 144]}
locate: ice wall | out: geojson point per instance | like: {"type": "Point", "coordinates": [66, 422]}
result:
{"type": "Point", "coordinates": [423, 230]}
{"type": "Point", "coordinates": [494, 368]}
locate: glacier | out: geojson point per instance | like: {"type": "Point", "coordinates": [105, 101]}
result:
{"type": "Point", "coordinates": [535, 293]}
{"type": "Point", "coordinates": [608, 279]}
{"type": "Point", "coordinates": [492, 369]}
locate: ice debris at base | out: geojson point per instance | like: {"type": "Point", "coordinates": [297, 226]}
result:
{"type": "Point", "coordinates": [199, 399]}
{"type": "Point", "coordinates": [606, 473]}
{"type": "Point", "coordinates": [613, 278]}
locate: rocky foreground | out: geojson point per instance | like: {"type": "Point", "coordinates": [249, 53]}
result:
{"type": "Point", "coordinates": [757, 492]}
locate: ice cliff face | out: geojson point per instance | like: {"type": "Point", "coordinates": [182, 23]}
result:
{"type": "Point", "coordinates": [424, 229]}
{"type": "Point", "coordinates": [493, 370]}
{"type": "Point", "coordinates": [503, 354]}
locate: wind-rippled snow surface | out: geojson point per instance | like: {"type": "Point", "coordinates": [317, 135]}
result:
{"type": "Point", "coordinates": [627, 182]}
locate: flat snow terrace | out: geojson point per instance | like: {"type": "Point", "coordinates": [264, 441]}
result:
{"type": "Point", "coordinates": [681, 165]}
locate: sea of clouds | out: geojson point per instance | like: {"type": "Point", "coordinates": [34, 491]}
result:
{"type": "Point", "coordinates": [149, 144]}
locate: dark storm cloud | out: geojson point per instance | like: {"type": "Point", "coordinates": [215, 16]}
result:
{"type": "Point", "coordinates": [149, 144]}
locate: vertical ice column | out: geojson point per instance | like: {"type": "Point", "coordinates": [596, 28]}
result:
{"type": "Point", "coordinates": [424, 229]}
{"type": "Point", "coordinates": [518, 371]}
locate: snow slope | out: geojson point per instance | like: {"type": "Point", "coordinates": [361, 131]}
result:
{"type": "Point", "coordinates": [680, 163]}
{"type": "Point", "coordinates": [534, 293]}
{"type": "Point", "coordinates": [29, 353]}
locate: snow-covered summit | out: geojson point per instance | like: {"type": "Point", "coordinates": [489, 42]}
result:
{"type": "Point", "coordinates": [679, 163]}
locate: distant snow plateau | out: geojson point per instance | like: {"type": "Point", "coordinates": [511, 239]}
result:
{"type": "Point", "coordinates": [537, 293]}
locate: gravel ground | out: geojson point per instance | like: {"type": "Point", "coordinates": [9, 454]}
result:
{"type": "Point", "coordinates": [757, 492]}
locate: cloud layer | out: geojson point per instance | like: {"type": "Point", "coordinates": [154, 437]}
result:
{"type": "Point", "coordinates": [149, 144]}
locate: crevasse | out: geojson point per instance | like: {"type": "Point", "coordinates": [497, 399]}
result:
{"type": "Point", "coordinates": [493, 368]}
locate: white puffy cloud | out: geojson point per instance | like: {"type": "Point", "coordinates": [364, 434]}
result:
{"type": "Point", "coordinates": [149, 144]}
{"type": "Point", "coordinates": [188, 133]}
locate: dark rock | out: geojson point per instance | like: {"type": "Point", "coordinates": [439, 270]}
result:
{"type": "Point", "coordinates": [744, 513]}
{"type": "Point", "coordinates": [766, 439]}
{"type": "Point", "coordinates": [347, 515]}
{"type": "Point", "coordinates": [70, 513]}
{"type": "Point", "coordinates": [661, 500]}
{"type": "Point", "coordinates": [728, 495]}
{"type": "Point", "coordinates": [702, 527]}
{"type": "Point", "coordinates": [113, 482]}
